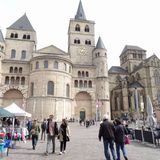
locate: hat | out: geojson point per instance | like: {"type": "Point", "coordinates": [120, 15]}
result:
{"type": "Point", "coordinates": [105, 116]}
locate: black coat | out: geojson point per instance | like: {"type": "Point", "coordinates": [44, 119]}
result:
{"type": "Point", "coordinates": [106, 130]}
{"type": "Point", "coordinates": [120, 132]}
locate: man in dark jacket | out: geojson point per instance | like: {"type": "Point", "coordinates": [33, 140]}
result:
{"type": "Point", "coordinates": [52, 132]}
{"type": "Point", "coordinates": [107, 132]}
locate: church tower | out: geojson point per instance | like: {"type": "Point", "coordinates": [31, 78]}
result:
{"type": "Point", "coordinates": [20, 40]}
{"type": "Point", "coordinates": [101, 78]}
{"type": "Point", "coordinates": [81, 38]}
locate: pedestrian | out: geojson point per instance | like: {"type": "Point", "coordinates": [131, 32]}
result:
{"type": "Point", "coordinates": [35, 130]}
{"type": "Point", "coordinates": [106, 131]}
{"type": "Point", "coordinates": [52, 132]}
{"type": "Point", "coordinates": [43, 129]}
{"type": "Point", "coordinates": [120, 132]}
{"type": "Point", "coordinates": [63, 135]}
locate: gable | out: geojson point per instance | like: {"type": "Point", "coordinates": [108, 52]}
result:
{"type": "Point", "coordinates": [51, 50]}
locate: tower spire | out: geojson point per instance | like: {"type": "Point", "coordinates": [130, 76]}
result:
{"type": "Point", "coordinates": [100, 44]}
{"type": "Point", "coordinates": [80, 12]}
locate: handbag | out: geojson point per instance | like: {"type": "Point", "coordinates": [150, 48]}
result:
{"type": "Point", "coordinates": [126, 139]}
{"type": "Point", "coordinates": [67, 138]}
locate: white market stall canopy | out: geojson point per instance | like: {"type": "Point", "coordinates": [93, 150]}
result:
{"type": "Point", "coordinates": [17, 111]}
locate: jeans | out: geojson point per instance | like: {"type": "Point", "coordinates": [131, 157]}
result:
{"type": "Point", "coordinates": [49, 139]}
{"type": "Point", "coordinates": [109, 143]}
{"type": "Point", "coordinates": [122, 147]}
{"type": "Point", "coordinates": [62, 146]}
{"type": "Point", "coordinates": [34, 140]}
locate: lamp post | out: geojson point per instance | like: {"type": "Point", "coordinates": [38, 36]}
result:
{"type": "Point", "coordinates": [137, 106]}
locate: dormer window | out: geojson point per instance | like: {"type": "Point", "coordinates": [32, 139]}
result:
{"type": "Point", "coordinates": [77, 28]}
{"type": "Point", "coordinates": [12, 35]}
{"type": "Point", "coordinates": [86, 28]}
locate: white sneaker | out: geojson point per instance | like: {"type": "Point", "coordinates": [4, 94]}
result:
{"type": "Point", "coordinates": [64, 152]}
{"type": "Point", "coordinates": [60, 153]}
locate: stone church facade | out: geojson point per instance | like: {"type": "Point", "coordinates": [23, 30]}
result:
{"type": "Point", "coordinates": [131, 82]}
{"type": "Point", "coordinates": [51, 81]}
{"type": "Point", "coordinates": [77, 83]}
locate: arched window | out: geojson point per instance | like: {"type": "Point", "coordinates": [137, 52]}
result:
{"type": "Point", "coordinates": [67, 90]}
{"type": "Point", "coordinates": [7, 80]}
{"type": "Point", "coordinates": [23, 54]}
{"type": "Point", "coordinates": [50, 88]}
{"type": "Point", "coordinates": [85, 84]}
{"type": "Point", "coordinates": [20, 70]}
{"type": "Point", "coordinates": [75, 83]}
{"type": "Point", "coordinates": [37, 65]}
{"type": "Point", "coordinates": [23, 81]}
{"type": "Point", "coordinates": [55, 64]}
{"type": "Point", "coordinates": [86, 28]}
{"type": "Point", "coordinates": [15, 70]}
{"type": "Point", "coordinates": [87, 74]}
{"type": "Point", "coordinates": [28, 37]}
{"type": "Point", "coordinates": [90, 84]}
{"type": "Point", "coordinates": [77, 28]}
{"type": "Point", "coordinates": [46, 64]}
{"type": "Point", "coordinates": [12, 80]}
{"type": "Point", "coordinates": [80, 83]}
{"type": "Point", "coordinates": [77, 41]}
{"type": "Point", "coordinates": [87, 42]}
{"type": "Point", "coordinates": [11, 70]}
{"type": "Point", "coordinates": [12, 35]}
{"type": "Point", "coordinates": [157, 77]}
{"type": "Point", "coordinates": [17, 80]}
{"type": "Point", "coordinates": [13, 53]}
{"type": "Point", "coordinates": [82, 73]}
{"type": "Point", "coordinates": [32, 88]}
{"type": "Point", "coordinates": [16, 35]}
{"type": "Point", "coordinates": [79, 73]}
{"type": "Point", "coordinates": [24, 36]}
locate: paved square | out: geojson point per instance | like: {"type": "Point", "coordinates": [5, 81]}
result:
{"type": "Point", "coordinates": [84, 145]}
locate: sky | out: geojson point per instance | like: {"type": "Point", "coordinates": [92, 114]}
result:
{"type": "Point", "coordinates": [118, 22]}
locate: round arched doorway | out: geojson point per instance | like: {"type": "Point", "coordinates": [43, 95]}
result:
{"type": "Point", "coordinates": [83, 109]}
{"type": "Point", "coordinates": [13, 95]}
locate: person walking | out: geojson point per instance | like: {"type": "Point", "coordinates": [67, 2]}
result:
{"type": "Point", "coordinates": [43, 129]}
{"type": "Point", "coordinates": [106, 131]}
{"type": "Point", "coordinates": [52, 132]}
{"type": "Point", "coordinates": [35, 130]}
{"type": "Point", "coordinates": [120, 133]}
{"type": "Point", "coordinates": [63, 135]}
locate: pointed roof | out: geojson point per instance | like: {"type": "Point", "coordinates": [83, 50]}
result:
{"type": "Point", "coordinates": [100, 44]}
{"type": "Point", "coordinates": [80, 12]}
{"type": "Point", "coordinates": [22, 23]}
{"type": "Point", "coordinates": [52, 50]}
{"type": "Point", "coordinates": [1, 36]}
{"type": "Point", "coordinates": [130, 47]}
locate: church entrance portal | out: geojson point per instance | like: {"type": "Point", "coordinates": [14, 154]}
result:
{"type": "Point", "coordinates": [82, 115]}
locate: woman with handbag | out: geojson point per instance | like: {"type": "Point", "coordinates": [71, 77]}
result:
{"type": "Point", "coordinates": [120, 133]}
{"type": "Point", "coordinates": [63, 135]}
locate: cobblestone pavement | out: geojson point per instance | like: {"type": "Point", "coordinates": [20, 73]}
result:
{"type": "Point", "coordinates": [84, 145]}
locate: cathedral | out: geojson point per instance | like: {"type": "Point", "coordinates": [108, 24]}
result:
{"type": "Point", "coordinates": [77, 83]}
{"type": "Point", "coordinates": [46, 81]}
